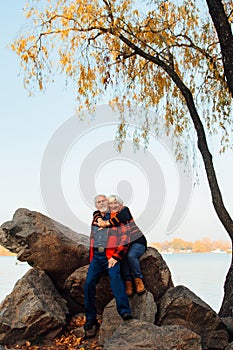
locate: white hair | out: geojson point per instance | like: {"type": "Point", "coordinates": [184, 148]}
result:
{"type": "Point", "coordinates": [114, 197]}
{"type": "Point", "coordinates": [99, 195]}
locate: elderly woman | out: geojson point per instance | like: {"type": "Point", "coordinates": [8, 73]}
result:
{"type": "Point", "coordinates": [121, 217]}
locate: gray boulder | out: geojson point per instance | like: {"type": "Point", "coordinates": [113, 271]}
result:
{"type": "Point", "coordinates": [136, 334]}
{"type": "Point", "coordinates": [33, 309]}
{"type": "Point", "coordinates": [45, 243]}
{"type": "Point", "coordinates": [156, 274]}
{"type": "Point", "coordinates": [143, 308]}
{"type": "Point", "coordinates": [180, 306]}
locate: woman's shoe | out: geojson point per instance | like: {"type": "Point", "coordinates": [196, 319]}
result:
{"type": "Point", "coordinates": [140, 288]}
{"type": "Point", "coordinates": [129, 288]}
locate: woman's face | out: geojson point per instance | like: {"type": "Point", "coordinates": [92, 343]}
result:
{"type": "Point", "coordinates": [114, 206]}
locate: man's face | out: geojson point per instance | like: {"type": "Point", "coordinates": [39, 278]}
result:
{"type": "Point", "coordinates": [102, 204]}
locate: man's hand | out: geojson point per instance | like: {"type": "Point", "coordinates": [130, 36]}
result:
{"type": "Point", "coordinates": [111, 262]}
{"type": "Point", "coordinates": [102, 223]}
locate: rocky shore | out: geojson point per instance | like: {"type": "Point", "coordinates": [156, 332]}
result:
{"type": "Point", "coordinates": [46, 306]}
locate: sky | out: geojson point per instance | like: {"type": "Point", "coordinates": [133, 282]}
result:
{"type": "Point", "coordinates": [54, 164]}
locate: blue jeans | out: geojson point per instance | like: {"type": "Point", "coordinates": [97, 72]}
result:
{"type": "Point", "coordinates": [130, 265]}
{"type": "Point", "coordinates": [99, 264]}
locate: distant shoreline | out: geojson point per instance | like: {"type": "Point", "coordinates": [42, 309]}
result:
{"type": "Point", "coordinates": [184, 252]}
{"type": "Point", "coordinates": [205, 245]}
{"type": "Point", "coordinates": [5, 252]}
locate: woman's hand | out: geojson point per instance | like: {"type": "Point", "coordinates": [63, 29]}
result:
{"type": "Point", "coordinates": [111, 262]}
{"type": "Point", "coordinates": [102, 223]}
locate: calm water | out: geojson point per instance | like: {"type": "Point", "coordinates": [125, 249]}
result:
{"type": "Point", "coordinates": [203, 273]}
{"type": "Point", "coordinates": [10, 271]}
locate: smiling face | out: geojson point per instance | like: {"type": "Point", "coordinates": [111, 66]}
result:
{"type": "Point", "coordinates": [101, 203]}
{"type": "Point", "coordinates": [114, 206]}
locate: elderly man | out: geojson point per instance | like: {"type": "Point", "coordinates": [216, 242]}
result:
{"type": "Point", "coordinates": [107, 248]}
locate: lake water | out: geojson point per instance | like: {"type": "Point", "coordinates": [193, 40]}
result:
{"type": "Point", "coordinates": [202, 273]}
{"type": "Point", "coordinates": [10, 271]}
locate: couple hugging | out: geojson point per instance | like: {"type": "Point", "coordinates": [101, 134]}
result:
{"type": "Point", "coordinates": [116, 244]}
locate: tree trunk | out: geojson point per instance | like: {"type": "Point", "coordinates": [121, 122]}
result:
{"type": "Point", "coordinates": [223, 215]}
{"type": "Point", "coordinates": [227, 304]}
{"type": "Point", "coordinates": [225, 37]}
{"type": "Point", "coordinates": [216, 195]}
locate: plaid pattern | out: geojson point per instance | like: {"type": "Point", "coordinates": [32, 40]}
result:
{"type": "Point", "coordinates": [124, 217]}
{"type": "Point", "coordinates": [117, 240]}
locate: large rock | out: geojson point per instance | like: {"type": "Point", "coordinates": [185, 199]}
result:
{"type": "Point", "coordinates": [180, 306]}
{"type": "Point", "coordinates": [75, 283]}
{"type": "Point", "coordinates": [228, 322]}
{"type": "Point", "coordinates": [33, 309]}
{"type": "Point", "coordinates": [157, 278]}
{"type": "Point", "coordinates": [143, 308]}
{"type": "Point", "coordinates": [156, 274]}
{"type": "Point", "coordinates": [137, 335]}
{"type": "Point", "coordinates": [45, 243]}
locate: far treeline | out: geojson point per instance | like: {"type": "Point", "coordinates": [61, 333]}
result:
{"type": "Point", "coordinates": [204, 245]}
{"type": "Point", "coordinates": [5, 252]}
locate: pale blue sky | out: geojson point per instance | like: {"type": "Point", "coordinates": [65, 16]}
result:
{"type": "Point", "coordinates": [27, 125]}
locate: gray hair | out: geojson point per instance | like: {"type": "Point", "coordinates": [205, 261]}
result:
{"type": "Point", "coordinates": [114, 197]}
{"type": "Point", "coordinates": [99, 195]}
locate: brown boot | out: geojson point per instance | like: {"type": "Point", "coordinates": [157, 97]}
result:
{"type": "Point", "coordinates": [129, 288]}
{"type": "Point", "coordinates": [140, 288]}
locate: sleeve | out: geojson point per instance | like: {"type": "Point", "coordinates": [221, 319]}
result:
{"type": "Point", "coordinates": [96, 215]}
{"type": "Point", "coordinates": [91, 249]}
{"type": "Point", "coordinates": [123, 217]}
